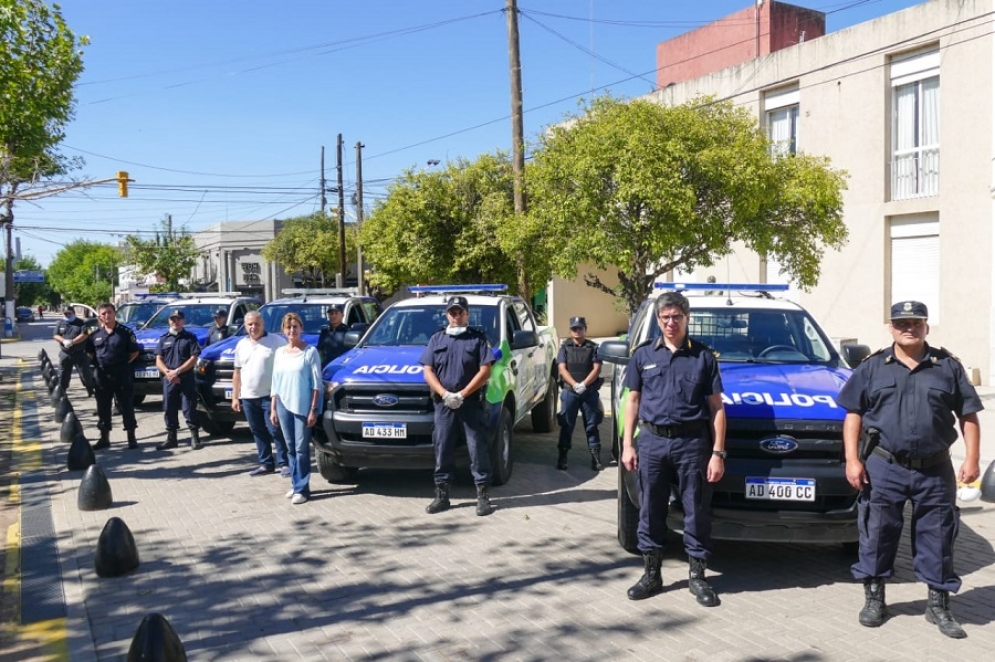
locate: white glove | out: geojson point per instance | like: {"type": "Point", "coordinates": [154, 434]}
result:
{"type": "Point", "coordinates": [67, 343]}
{"type": "Point", "coordinates": [579, 388]}
{"type": "Point", "coordinates": [453, 400]}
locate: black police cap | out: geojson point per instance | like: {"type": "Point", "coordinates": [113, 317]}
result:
{"type": "Point", "coordinates": [910, 310]}
{"type": "Point", "coordinates": [334, 308]}
{"type": "Point", "coordinates": [457, 302]}
{"type": "Point", "coordinates": [177, 312]}
{"type": "Point", "coordinates": [576, 322]}
{"type": "Point", "coordinates": [221, 312]}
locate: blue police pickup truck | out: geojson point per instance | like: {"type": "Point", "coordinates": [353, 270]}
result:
{"type": "Point", "coordinates": [785, 477]}
{"type": "Point", "coordinates": [379, 411]}
{"type": "Point", "coordinates": [135, 313]}
{"type": "Point", "coordinates": [216, 364]}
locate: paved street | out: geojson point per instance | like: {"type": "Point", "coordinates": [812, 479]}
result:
{"type": "Point", "coordinates": [362, 573]}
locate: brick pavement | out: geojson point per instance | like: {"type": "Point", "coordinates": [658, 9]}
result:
{"type": "Point", "coordinates": [362, 573]}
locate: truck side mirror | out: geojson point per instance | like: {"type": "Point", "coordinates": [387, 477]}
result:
{"type": "Point", "coordinates": [614, 351]}
{"type": "Point", "coordinates": [854, 354]}
{"type": "Point", "coordinates": [523, 339]}
{"type": "Point", "coordinates": [351, 338]}
{"type": "Point", "coordinates": [359, 326]}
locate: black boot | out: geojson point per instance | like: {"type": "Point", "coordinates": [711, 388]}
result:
{"type": "Point", "coordinates": [195, 439]}
{"type": "Point", "coordinates": [596, 459]}
{"type": "Point", "coordinates": [170, 442]}
{"type": "Point", "coordinates": [651, 582]}
{"type": "Point", "coordinates": [104, 442]}
{"type": "Point", "coordinates": [875, 609]}
{"type": "Point", "coordinates": [441, 500]}
{"type": "Point", "coordinates": [938, 613]}
{"type": "Point", "coordinates": [132, 442]}
{"type": "Point", "coordinates": [699, 586]}
{"type": "Point", "coordinates": [561, 461]}
{"type": "Point", "coordinates": [484, 506]}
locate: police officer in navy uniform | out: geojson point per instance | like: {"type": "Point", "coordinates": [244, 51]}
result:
{"type": "Point", "coordinates": [909, 393]}
{"type": "Point", "coordinates": [457, 364]}
{"type": "Point", "coordinates": [113, 347]}
{"type": "Point", "coordinates": [580, 375]}
{"type": "Point", "coordinates": [71, 334]}
{"type": "Point", "coordinates": [675, 397]}
{"type": "Point", "coordinates": [175, 356]}
{"type": "Point", "coordinates": [331, 340]}
{"type": "Point", "coordinates": [220, 330]}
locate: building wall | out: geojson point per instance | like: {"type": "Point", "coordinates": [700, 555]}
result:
{"type": "Point", "coordinates": [233, 259]}
{"type": "Point", "coordinates": [572, 298]}
{"type": "Point", "coordinates": [845, 113]}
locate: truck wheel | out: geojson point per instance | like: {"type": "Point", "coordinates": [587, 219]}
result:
{"type": "Point", "coordinates": [334, 472]}
{"type": "Point", "coordinates": [544, 413]}
{"type": "Point", "coordinates": [501, 456]}
{"type": "Point", "coordinates": [216, 428]}
{"type": "Point", "coordinates": [628, 516]}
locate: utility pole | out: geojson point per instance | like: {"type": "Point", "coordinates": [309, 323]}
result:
{"type": "Point", "coordinates": [169, 229]}
{"type": "Point", "coordinates": [359, 218]}
{"type": "Point", "coordinates": [324, 200]}
{"type": "Point", "coordinates": [342, 265]}
{"type": "Point", "coordinates": [8, 269]}
{"type": "Point", "coordinates": [517, 132]}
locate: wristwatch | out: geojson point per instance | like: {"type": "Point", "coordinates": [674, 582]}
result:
{"type": "Point", "coordinates": [721, 454]}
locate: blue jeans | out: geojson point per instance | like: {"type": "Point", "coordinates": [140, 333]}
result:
{"type": "Point", "coordinates": [265, 434]}
{"type": "Point", "coordinates": [298, 437]}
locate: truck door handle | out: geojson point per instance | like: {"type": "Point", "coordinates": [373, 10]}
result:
{"type": "Point", "coordinates": [514, 367]}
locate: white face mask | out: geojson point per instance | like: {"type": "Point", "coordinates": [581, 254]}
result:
{"type": "Point", "coordinates": [455, 330]}
{"type": "Point", "coordinates": [174, 332]}
{"type": "Point", "coordinates": [71, 318]}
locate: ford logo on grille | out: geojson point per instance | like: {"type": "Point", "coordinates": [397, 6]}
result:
{"type": "Point", "coordinates": [779, 445]}
{"type": "Point", "coordinates": [385, 400]}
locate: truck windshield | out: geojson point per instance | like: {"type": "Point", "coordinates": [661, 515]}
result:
{"type": "Point", "coordinates": [194, 314]}
{"type": "Point", "coordinates": [781, 336]}
{"type": "Point", "coordinates": [312, 314]}
{"type": "Point", "coordinates": [137, 313]}
{"type": "Point", "coordinates": [414, 325]}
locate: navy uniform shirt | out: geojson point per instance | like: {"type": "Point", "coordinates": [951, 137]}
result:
{"type": "Point", "coordinates": [69, 330]}
{"type": "Point", "coordinates": [175, 350]}
{"type": "Point", "coordinates": [218, 333]}
{"type": "Point", "coordinates": [331, 342]}
{"type": "Point", "coordinates": [112, 349]}
{"type": "Point", "coordinates": [456, 360]}
{"type": "Point", "coordinates": [913, 409]}
{"type": "Point", "coordinates": [673, 386]}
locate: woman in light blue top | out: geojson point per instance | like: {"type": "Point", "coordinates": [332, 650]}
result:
{"type": "Point", "coordinates": [296, 393]}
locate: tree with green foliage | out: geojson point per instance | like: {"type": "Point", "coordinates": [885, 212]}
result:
{"type": "Point", "coordinates": [40, 60]}
{"type": "Point", "coordinates": [31, 294]}
{"type": "Point", "coordinates": [84, 272]}
{"type": "Point", "coordinates": [444, 226]}
{"type": "Point", "coordinates": [171, 256]}
{"type": "Point", "coordinates": [645, 189]}
{"type": "Point", "coordinates": [309, 247]}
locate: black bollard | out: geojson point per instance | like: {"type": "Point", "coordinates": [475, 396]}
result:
{"type": "Point", "coordinates": [155, 640]}
{"type": "Point", "coordinates": [42, 355]}
{"type": "Point", "coordinates": [988, 484]}
{"type": "Point", "coordinates": [116, 551]}
{"type": "Point", "coordinates": [62, 407]}
{"type": "Point", "coordinates": [80, 455]}
{"type": "Point", "coordinates": [94, 490]}
{"type": "Point", "coordinates": [57, 394]}
{"type": "Point", "coordinates": [70, 428]}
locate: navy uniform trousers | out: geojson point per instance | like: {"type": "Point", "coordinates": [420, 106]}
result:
{"type": "Point", "coordinates": [112, 383]}
{"type": "Point", "coordinates": [680, 461]}
{"type": "Point", "coordinates": [589, 405]}
{"type": "Point", "coordinates": [932, 493]}
{"type": "Point", "coordinates": [174, 395]}
{"type": "Point", "coordinates": [470, 420]}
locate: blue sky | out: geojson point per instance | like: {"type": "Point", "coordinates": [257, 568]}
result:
{"type": "Point", "coordinates": [218, 109]}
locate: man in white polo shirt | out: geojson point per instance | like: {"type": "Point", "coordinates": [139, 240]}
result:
{"type": "Point", "coordinates": [250, 393]}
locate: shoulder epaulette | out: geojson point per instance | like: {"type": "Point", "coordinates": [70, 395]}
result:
{"type": "Point", "coordinates": [644, 343]}
{"type": "Point", "coordinates": [880, 351]}
{"type": "Point", "coordinates": [940, 353]}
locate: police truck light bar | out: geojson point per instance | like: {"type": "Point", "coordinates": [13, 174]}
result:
{"type": "Point", "coordinates": [447, 289]}
{"type": "Point", "coordinates": [735, 287]}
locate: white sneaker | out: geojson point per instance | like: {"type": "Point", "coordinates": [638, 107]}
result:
{"type": "Point", "coordinates": [298, 499]}
{"type": "Point", "coordinates": [290, 493]}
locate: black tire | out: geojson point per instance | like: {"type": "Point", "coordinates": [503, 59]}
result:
{"type": "Point", "coordinates": [216, 428]}
{"type": "Point", "coordinates": [502, 458]}
{"type": "Point", "coordinates": [544, 413]}
{"type": "Point", "coordinates": [334, 472]}
{"type": "Point", "coordinates": [616, 441]}
{"type": "Point", "coordinates": [137, 398]}
{"type": "Point", "coordinates": [628, 516]}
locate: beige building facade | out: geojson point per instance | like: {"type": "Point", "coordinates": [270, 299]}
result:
{"type": "Point", "coordinates": [232, 259]}
{"type": "Point", "coordinates": [904, 104]}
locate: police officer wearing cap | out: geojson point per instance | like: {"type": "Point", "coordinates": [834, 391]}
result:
{"type": "Point", "coordinates": [580, 377]}
{"type": "Point", "coordinates": [113, 347]}
{"type": "Point", "coordinates": [457, 364]}
{"type": "Point", "coordinates": [175, 356]}
{"type": "Point", "coordinates": [675, 397]}
{"type": "Point", "coordinates": [903, 400]}
{"type": "Point", "coordinates": [220, 330]}
{"type": "Point", "coordinates": [71, 333]}
{"type": "Point", "coordinates": [331, 340]}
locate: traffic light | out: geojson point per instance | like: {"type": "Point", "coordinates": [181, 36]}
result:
{"type": "Point", "coordinates": [122, 184]}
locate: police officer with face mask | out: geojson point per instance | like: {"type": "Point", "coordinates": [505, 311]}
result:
{"type": "Point", "coordinates": [331, 340]}
{"type": "Point", "coordinates": [457, 364]}
{"type": "Point", "coordinates": [175, 356]}
{"type": "Point", "coordinates": [580, 375]}
{"type": "Point", "coordinates": [903, 400]}
{"type": "Point", "coordinates": [220, 330]}
{"type": "Point", "coordinates": [71, 334]}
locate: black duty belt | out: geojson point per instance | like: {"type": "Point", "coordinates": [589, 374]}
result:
{"type": "Point", "coordinates": [917, 463]}
{"type": "Point", "coordinates": [679, 430]}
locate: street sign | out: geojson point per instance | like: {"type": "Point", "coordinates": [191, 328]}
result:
{"type": "Point", "coordinates": [29, 276]}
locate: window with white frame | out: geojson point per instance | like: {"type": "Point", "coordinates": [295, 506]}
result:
{"type": "Point", "coordinates": [915, 132]}
{"type": "Point", "coordinates": [781, 110]}
{"type": "Point", "coordinates": [915, 261]}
